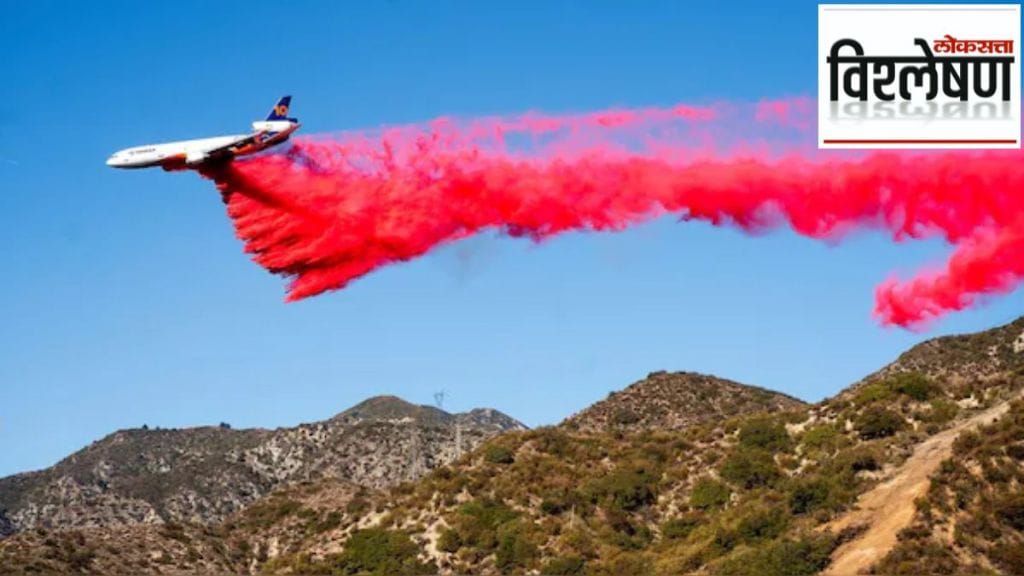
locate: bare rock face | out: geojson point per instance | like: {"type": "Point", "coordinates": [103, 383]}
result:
{"type": "Point", "coordinates": [203, 475]}
{"type": "Point", "coordinates": [676, 400]}
{"type": "Point", "coordinates": [6, 526]}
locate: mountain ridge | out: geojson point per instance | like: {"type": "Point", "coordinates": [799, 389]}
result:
{"type": "Point", "coordinates": [206, 473]}
{"type": "Point", "coordinates": [675, 400]}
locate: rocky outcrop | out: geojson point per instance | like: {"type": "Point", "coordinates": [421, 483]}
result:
{"type": "Point", "coordinates": [202, 475]}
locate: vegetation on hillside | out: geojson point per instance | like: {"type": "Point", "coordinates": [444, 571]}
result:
{"type": "Point", "coordinates": [972, 519]}
{"type": "Point", "coordinates": [740, 496]}
{"type": "Point", "coordinates": [608, 493]}
{"type": "Point", "coordinates": [677, 400]}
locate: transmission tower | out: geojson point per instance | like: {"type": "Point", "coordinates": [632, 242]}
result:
{"type": "Point", "coordinates": [439, 398]}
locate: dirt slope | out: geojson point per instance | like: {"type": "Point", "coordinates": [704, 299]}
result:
{"type": "Point", "coordinates": [889, 507]}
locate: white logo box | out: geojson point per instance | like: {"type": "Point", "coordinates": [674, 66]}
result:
{"type": "Point", "coordinates": [890, 30]}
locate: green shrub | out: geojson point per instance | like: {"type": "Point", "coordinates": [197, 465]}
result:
{"type": "Point", "coordinates": [1011, 511]}
{"type": "Point", "coordinates": [553, 441]}
{"type": "Point", "coordinates": [449, 541]}
{"type": "Point", "coordinates": [825, 437]}
{"type": "Point", "coordinates": [943, 411]}
{"type": "Point", "coordinates": [808, 495]}
{"type": "Point", "coordinates": [913, 384]}
{"type": "Point", "coordinates": [175, 531]}
{"type": "Point", "coordinates": [624, 417]}
{"type": "Point", "coordinates": [679, 528]}
{"type": "Point", "coordinates": [629, 564]}
{"type": "Point", "coordinates": [621, 530]}
{"type": "Point", "coordinates": [762, 523]}
{"type": "Point", "coordinates": [750, 469]}
{"type": "Point", "coordinates": [552, 506]}
{"type": "Point", "coordinates": [765, 433]}
{"type": "Point", "coordinates": [299, 564]}
{"type": "Point", "coordinates": [801, 557]}
{"type": "Point", "coordinates": [557, 501]}
{"type": "Point", "coordinates": [859, 459]}
{"type": "Point", "coordinates": [358, 505]}
{"type": "Point", "coordinates": [625, 489]}
{"type": "Point", "coordinates": [874, 392]}
{"type": "Point", "coordinates": [878, 422]}
{"type": "Point", "coordinates": [1015, 451]}
{"type": "Point", "coordinates": [79, 558]}
{"type": "Point", "coordinates": [380, 552]}
{"type": "Point", "coordinates": [268, 512]}
{"type": "Point", "coordinates": [477, 523]}
{"type": "Point", "coordinates": [579, 541]}
{"type": "Point", "coordinates": [516, 548]}
{"type": "Point", "coordinates": [563, 566]}
{"type": "Point", "coordinates": [916, 557]}
{"type": "Point", "coordinates": [1009, 556]}
{"type": "Point", "coordinates": [496, 454]}
{"type": "Point", "coordinates": [709, 494]}
{"type": "Point", "coordinates": [723, 542]}
{"type": "Point", "coordinates": [966, 442]}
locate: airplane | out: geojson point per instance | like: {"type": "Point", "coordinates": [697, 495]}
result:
{"type": "Point", "coordinates": [196, 153]}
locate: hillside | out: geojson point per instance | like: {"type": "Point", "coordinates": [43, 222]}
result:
{"type": "Point", "coordinates": [970, 517]}
{"type": "Point", "coordinates": [962, 360]}
{"type": "Point", "coordinates": [236, 546]}
{"type": "Point", "coordinates": [203, 475]}
{"type": "Point", "coordinates": [762, 493]}
{"type": "Point", "coordinates": [673, 401]}
{"type": "Point", "coordinates": [770, 492]}
{"type": "Point", "coordinates": [883, 512]}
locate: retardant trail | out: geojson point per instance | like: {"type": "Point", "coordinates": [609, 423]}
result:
{"type": "Point", "coordinates": [329, 210]}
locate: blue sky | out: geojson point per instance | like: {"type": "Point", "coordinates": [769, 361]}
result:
{"type": "Point", "coordinates": [127, 299]}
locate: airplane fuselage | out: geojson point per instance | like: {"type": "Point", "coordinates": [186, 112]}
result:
{"type": "Point", "coordinates": [168, 153]}
{"type": "Point", "coordinates": [194, 153]}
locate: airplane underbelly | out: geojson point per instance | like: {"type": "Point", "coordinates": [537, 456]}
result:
{"type": "Point", "coordinates": [144, 163]}
{"type": "Point", "coordinates": [174, 162]}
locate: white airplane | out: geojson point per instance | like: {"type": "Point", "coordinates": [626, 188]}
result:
{"type": "Point", "coordinates": [194, 153]}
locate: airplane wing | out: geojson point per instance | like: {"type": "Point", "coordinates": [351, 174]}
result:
{"type": "Point", "coordinates": [227, 151]}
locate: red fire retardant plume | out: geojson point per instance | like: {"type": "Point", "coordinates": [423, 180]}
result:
{"type": "Point", "coordinates": [329, 210]}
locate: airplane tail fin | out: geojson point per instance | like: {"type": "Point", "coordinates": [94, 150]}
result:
{"type": "Point", "coordinates": [280, 110]}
